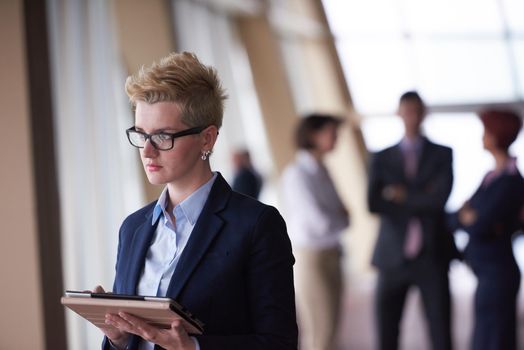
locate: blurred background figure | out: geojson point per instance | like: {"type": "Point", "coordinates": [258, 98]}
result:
{"type": "Point", "coordinates": [246, 179]}
{"type": "Point", "coordinates": [491, 217]}
{"type": "Point", "coordinates": [408, 187]}
{"type": "Point", "coordinates": [316, 218]}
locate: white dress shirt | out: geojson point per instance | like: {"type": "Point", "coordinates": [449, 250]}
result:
{"type": "Point", "coordinates": [314, 213]}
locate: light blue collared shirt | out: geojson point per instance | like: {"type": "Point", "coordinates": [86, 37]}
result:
{"type": "Point", "coordinates": [169, 241]}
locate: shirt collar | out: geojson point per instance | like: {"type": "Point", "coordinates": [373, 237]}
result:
{"type": "Point", "coordinates": [415, 143]}
{"type": "Point", "coordinates": [307, 160]}
{"type": "Point", "coordinates": [511, 166]}
{"type": "Point", "coordinates": [191, 206]}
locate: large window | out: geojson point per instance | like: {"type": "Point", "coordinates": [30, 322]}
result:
{"type": "Point", "coordinates": [460, 55]}
{"type": "Point", "coordinates": [453, 52]}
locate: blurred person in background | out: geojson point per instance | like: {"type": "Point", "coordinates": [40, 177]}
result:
{"type": "Point", "coordinates": [491, 217]}
{"type": "Point", "coordinates": [316, 218]}
{"type": "Point", "coordinates": [224, 256]}
{"type": "Point", "coordinates": [246, 179]}
{"type": "Point", "coordinates": [409, 184]}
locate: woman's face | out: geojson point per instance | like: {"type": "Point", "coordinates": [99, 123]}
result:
{"type": "Point", "coordinates": [489, 141]}
{"type": "Point", "coordinates": [177, 164]}
{"type": "Point", "coordinates": [325, 138]}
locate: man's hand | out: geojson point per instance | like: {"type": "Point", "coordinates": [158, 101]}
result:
{"type": "Point", "coordinates": [394, 193]}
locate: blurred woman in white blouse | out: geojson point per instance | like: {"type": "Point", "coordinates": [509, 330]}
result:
{"type": "Point", "coordinates": [316, 218]}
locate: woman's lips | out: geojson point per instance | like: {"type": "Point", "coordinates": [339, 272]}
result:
{"type": "Point", "coordinates": [153, 167]}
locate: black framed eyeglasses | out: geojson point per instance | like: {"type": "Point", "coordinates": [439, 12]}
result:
{"type": "Point", "coordinates": [162, 141]}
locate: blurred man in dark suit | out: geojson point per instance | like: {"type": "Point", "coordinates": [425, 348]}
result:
{"type": "Point", "coordinates": [246, 179]}
{"type": "Point", "coordinates": [408, 187]}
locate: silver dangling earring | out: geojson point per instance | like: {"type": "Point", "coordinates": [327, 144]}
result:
{"type": "Point", "coordinates": [205, 154]}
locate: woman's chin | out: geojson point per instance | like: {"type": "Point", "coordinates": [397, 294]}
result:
{"type": "Point", "coordinates": [155, 180]}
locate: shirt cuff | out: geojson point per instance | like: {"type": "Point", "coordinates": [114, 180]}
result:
{"type": "Point", "coordinates": [197, 345]}
{"type": "Point", "coordinates": [114, 347]}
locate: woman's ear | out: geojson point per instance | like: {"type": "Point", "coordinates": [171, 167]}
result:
{"type": "Point", "coordinates": [209, 137]}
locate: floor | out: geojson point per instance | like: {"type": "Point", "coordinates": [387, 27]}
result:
{"type": "Point", "coordinates": [356, 328]}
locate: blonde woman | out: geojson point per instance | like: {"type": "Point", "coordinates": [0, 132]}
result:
{"type": "Point", "coordinates": [226, 257]}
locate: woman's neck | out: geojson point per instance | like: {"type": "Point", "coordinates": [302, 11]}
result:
{"type": "Point", "coordinates": [501, 159]}
{"type": "Point", "coordinates": [315, 153]}
{"type": "Point", "coordinates": [181, 189]}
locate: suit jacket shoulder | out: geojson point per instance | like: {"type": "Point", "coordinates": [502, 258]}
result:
{"type": "Point", "coordinates": [386, 151]}
{"type": "Point", "coordinates": [426, 142]}
{"type": "Point", "coordinates": [138, 217]}
{"type": "Point", "coordinates": [437, 148]}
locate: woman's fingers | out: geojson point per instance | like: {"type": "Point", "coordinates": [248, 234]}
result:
{"type": "Point", "coordinates": [99, 289]}
{"type": "Point", "coordinates": [176, 337]}
{"type": "Point", "coordinates": [135, 325]}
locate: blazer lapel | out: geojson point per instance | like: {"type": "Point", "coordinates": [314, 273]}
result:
{"type": "Point", "coordinates": [424, 159]}
{"type": "Point", "coordinates": [206, 229]}
{"type": "Point", "coordinates": [397, 161]}
{"type": "Point", "coordinates": [139, 247]}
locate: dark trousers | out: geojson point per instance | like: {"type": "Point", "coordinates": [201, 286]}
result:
{"type": "Point", "coordinates": [496, 308]}
{"type": "Point", "coordinates": [392, 287]}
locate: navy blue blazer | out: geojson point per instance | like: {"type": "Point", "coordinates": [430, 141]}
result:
{"type": "Point", "coordinates": [235, 273]}
{"type": "Point", "coordinates": [490, 254]}
{"type": "Point", "coordinates": [498, 206]}
{"type": "Point", "coordinates": [426, 197]}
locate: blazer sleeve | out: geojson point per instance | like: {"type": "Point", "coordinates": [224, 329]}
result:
{"type": "Point", "coordinates": [106, 344]}
{"type": "Point", "coordinates": [376, 202]}
{"type": "Point", "coordinates": [497, 211]}
{"type": "Point", "coordinates": [269, 272]}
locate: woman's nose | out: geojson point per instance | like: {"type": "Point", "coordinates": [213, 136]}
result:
{"type": "Point", "coordinates": [149, 151]}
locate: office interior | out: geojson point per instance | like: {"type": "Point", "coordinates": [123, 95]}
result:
{"type": "Point", "coordinates": [69, 176]}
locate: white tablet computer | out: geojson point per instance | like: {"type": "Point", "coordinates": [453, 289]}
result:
{"type": "Point", "coordinates": [157, 311]}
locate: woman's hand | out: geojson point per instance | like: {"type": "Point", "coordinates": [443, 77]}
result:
{"type": "Point", "coordinates": [117, 337]}
{"type": "Point", "coordinates": [467, 215]}
{"type": "Point", "coordinates": [175, 338]}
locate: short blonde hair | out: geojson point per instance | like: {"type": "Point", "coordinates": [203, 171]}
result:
{"type": "Point", "coordinates": [183, 79]}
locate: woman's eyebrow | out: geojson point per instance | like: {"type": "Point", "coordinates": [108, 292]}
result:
{"type": "Point", "coordinates": [168, 129]}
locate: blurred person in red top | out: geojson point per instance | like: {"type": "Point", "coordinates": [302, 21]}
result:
{"type": "Point", "coordinates": [491, 217]}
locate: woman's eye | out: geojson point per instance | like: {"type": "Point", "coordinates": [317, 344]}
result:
{"type": "Point", "coordinates": [162, 137]}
